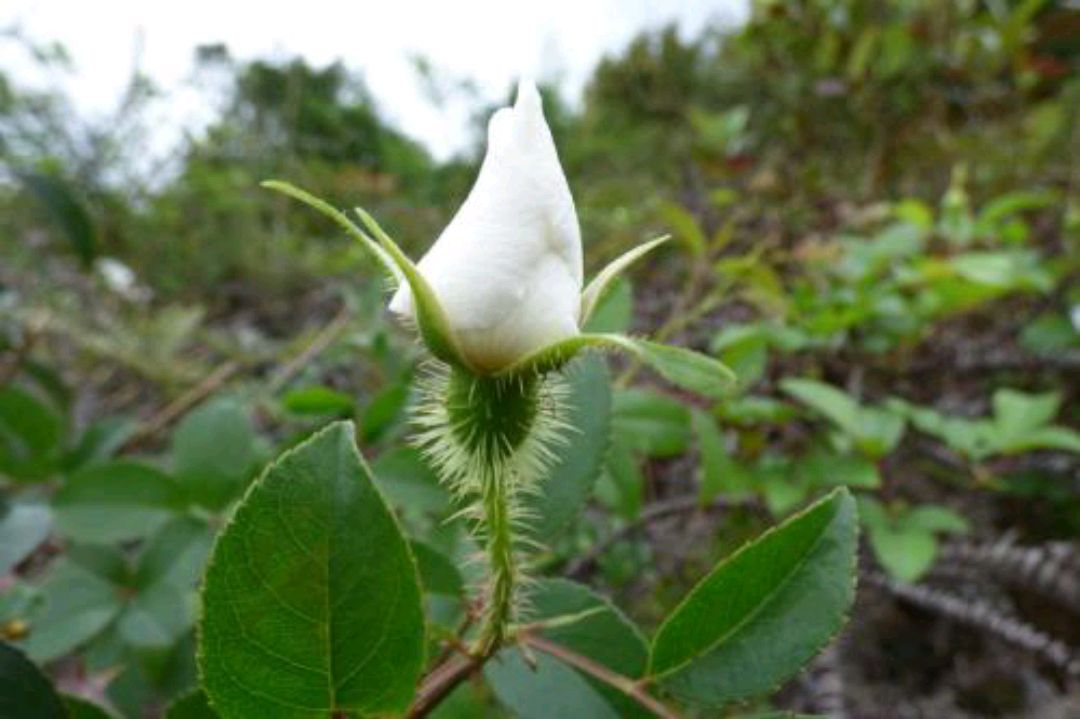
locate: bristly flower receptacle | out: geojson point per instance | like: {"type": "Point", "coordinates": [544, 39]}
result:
{"type": "Point", "coordinates": [491, 440]}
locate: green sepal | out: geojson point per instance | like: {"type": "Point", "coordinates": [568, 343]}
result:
{"type": "Point", "coordinates": [682, 367]}
{"type": "Point", "coordinates": [386, 264]}
{"type": "Point", "coordinates": [431, 318]}
{"type": "Point", "coordinates": [595, 291]}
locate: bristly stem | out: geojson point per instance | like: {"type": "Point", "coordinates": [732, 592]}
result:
{"type": "Point", "coordinates": [498, 613]}
{"type": "Point", "coordinates": [491, 439]}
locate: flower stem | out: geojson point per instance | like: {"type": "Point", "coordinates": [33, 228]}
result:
{"type": "Point", "coordinates": [498, 613]}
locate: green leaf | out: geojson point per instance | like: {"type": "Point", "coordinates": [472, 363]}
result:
{"type": "Point", "coordinates": [764, 611]}
{"type": "Point", "coordinates": [176, 554]}
{"type": "Point", "coordinates": [571, 478]}
{"type": "Point", "coordinates": [721, 475]}
{"type": "Point", "coordinates": [79, 708]}
{"type": "Point", "coordinates": [834, 404]}
{"type": "Point", "coordinates": [101, 440]}
{"type": "Point", "coordinates": [687, 369]}
{"type": "Point", "coordinates": [157, 616]}
{"type": "Point", "coordinates": [1016, 412]}
{"type": "Point", "coordinates": [1064, 439]}
{"type": "Point", "coordinates": [116, 501]}
{"type": "Point", "coordinates": [935, 518]}
{"type": "Point", "coordinates": [192, 705]}
{"type": "Point", "coordinates": [1049, 333]}
{"type": "Point", "coordinates": [745, 349]}
{"type": "Point", "coordinates": [318, 400]}
{"type": "Point", "coordinates": [383, 409]}
{"type": "Point", "coordinates": [686, 227]}
{"type": "Point", "coordinates": [438, 575]}
{"type": "Point", "coordinates": [782, 487]}
{"type": "Point", "coordinates": [621, 486]}
{"type": "Point", "coordinates": [903, 538]}
{"type": "Point", "coordinates": [311, 602]}
{"type": "Point", "coordinates": [822, 468]}
{"type": "Point", "coordinates": [651, 423]}
{"type": "Point", "coordinates": [29, 435]}
{"type": "Point", "coordinates": [875, 430]}
{"type": "Point", "coordinates": [213, 452]}
{"type": "Point", "coordinates": [594, 629]}
{"type": "Point", "coordinates": [79, 602]}
{"type": "Point", "coordinates": [409, 482]}
{"type": "Point", "coordinates": [905, 554]}
{"type": "Point", "coordinates": [597, 289]}
{"type": "Point", "coordinates": [23, 526]}
{"type": "Point", "coordinates": [24, 691]}
{"type": "Point", "coordinates": [754, 410]}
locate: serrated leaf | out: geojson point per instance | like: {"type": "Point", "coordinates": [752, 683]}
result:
{"type": "Point", "coordinates": [24, 689]}
{"type": "Point", "coordinates": [570, 480]}
{"type": "Point", "coordinates": [116, 501]}
{"type": "Point", "coordinates": [602, 634]}
{"type": "Point", "coordinates": [764, 611]}
{"type": "Point", "coordinates": [311, 601]}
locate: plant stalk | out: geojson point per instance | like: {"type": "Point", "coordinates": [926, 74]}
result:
{"type": "Point", "coordinates": [498, 612]}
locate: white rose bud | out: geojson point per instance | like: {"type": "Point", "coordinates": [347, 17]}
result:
{"type": "Point", "coordinates": [507, 270]}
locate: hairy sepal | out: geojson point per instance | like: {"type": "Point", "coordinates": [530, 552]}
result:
{"type": "Point", "coordinates": [682, 367]}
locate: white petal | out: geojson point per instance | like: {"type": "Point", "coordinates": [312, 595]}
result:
{"type": "Point", "coordinates": [508, 267]}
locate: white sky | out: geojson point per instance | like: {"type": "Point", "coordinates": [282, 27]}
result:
{"type": "Point", "coordinates": [490, 42]}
